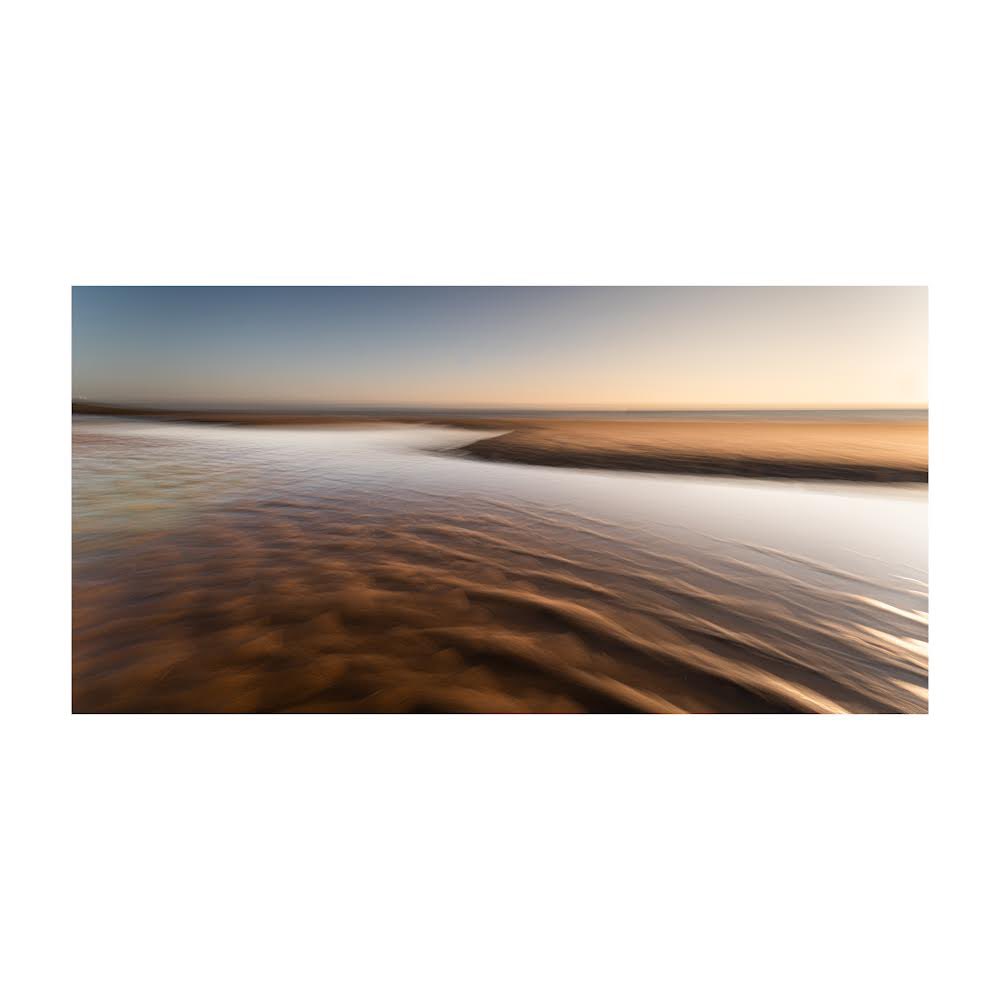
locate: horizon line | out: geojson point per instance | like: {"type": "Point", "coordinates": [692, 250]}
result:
{"type": "Point", "coordinates": [541, 407]}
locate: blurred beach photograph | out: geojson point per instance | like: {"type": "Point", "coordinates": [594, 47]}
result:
{"type": "Point", "coordinates": [489, 499]}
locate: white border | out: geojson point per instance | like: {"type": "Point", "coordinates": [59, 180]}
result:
{"type": "Point", "coordinates": [546, 143]}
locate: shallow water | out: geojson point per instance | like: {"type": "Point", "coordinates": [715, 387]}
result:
{"type": "Point", "coordinates": [341, 569]}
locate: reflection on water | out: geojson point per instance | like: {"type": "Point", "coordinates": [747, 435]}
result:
{"type": "Point", "coordinates": [338, 569]}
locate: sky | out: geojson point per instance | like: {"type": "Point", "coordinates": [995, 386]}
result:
{"type": "Point", "coordinates": [591, 347]}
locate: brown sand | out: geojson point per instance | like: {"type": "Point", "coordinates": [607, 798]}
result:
{"type": "Point", "coordinates": [330, 606]}
{"type": "Point", "coordinates": [880, 452]}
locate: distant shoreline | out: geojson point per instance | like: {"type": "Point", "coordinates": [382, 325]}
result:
{"type": "Point", "coordinates": [247, 412]}
{"type": "Point", "coordinates": [748, 444]}
{"type": "Point", "coordinates": [268, 418]}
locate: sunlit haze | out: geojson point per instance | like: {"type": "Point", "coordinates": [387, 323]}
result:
{"type": "Point", "coordinates": [494, 346]}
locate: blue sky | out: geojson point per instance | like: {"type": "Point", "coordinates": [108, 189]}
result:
{"type": "Point", "coordinates": [500, 346]}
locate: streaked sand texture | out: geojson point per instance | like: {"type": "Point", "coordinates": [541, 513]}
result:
{"type": "Point", "coordinates": [272, 610]}
{"type": "Point", "coordinates": [222, 573]}
{"type": "Point", "coordinates": [879, 452]}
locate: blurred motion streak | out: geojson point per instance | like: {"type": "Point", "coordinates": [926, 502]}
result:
{"type": "Point", "coordinates": [376, 567]}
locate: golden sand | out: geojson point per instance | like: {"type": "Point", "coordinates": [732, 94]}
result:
{"type": "Point", "coordinates": [867, 451]}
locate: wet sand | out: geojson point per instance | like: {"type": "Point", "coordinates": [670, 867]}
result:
{"type": "Point", "coordinates": [290, 570]}
{"type": "Point", "coordinates": [268, 610]}
{"type": "Point", "coordinates": [862, 451]}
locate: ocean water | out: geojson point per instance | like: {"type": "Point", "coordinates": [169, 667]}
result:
{"type": "Point", "coordinates": [863, 415]}
{"type": "Point", "coordinates": [333, 569]}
